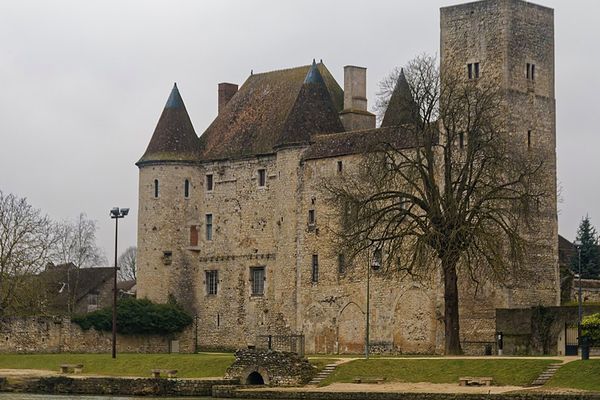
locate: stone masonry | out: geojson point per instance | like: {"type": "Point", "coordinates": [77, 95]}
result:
{"type": "Point", "coordinates": [255, 207]}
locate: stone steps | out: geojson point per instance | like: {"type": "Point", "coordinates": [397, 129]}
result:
{"type": "Point", "coordinates": [546, 375]}
{"type": "Point", "coordinates": [324, 373]}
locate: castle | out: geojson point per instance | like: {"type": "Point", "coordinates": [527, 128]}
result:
{"type": "Point", "coordinates": [229, 222]}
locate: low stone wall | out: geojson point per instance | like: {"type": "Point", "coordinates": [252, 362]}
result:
{"type": "Point", "coordinates": [275, 368]}
{"type": "Point", "coordinates": [237, 393]}
{"type": "Point", "coordinates": [120, 386]}
{"type": "Point", "coordinates": [60, 335]}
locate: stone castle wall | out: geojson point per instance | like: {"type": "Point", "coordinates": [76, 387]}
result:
{"type": "Point", "coordinates": [59, 335]}
{"type": "Point", "coordinates": [268, 226]}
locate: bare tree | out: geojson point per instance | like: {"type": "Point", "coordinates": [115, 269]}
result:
{"type": "Point", "coordinates": [127, 264]}
{"type": "Point", "coordinates": [26, 239]}
{"type": "Point", "coordinates": [76, 245]}
{"type": "Point", "coordinates": [445, 194]}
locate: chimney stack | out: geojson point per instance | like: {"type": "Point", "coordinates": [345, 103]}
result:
{"type": "Point", "coordinates": [226, 92]}
{"type": "Point", "coordinates": [355, 115]}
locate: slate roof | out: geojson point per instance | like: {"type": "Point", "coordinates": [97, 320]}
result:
{"type": "Point", "coordinates": [174, 138]}
{"type": "Point", "coordinates": [272, 109]}
{"type": "Point", "coordinates": [355, 142]}
{"type": "Point", "coordinates": [401, 108]}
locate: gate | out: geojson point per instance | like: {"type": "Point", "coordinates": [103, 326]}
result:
{"type": "Point", "coordinates": [571, 340]}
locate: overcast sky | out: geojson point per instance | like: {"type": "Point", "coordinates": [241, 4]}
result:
{"type": "Point", "coordinates": [84, 82]}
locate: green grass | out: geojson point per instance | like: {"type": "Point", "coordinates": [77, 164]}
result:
{"type": "Point", "coordinates": [505, 372]}
{"type": "Point", "coordinates": [188, 365]}
{"type": "Point", "coordinates": [584, 375]}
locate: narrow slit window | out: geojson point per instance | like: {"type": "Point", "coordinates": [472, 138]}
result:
{"type": "Point", "coordinates": [470, 70]}
{"type": "Point", "coordinates": [315, 268]}
{"type": "Point", "coordinates": [209, 182]}
{"type": "Point", "coordinates": [476, 70]}
{"type": "Point", "coordinates": [529, 139]}
{"type": "Point", "coordinates": [262, 177]}
{"type": "Point", "coordinates": [186, 188]}
{"type": "Point", "coordinates": [461, 140]}
{"type": "Point", "coordinates": [156, 188]}
{"type": "Point", "coordinates": [311, 217]}
{"type": "Point", "coordinates": [209, 226]}
{"type": "Point", "coordinates": [528, 73]}
{"type": "Point", "coordinates": [341, 263]}
{"type": "Point", "coordinates": [533, 72]}
{"type": "Point", "coordinates": [218, 320]}
{"type": "Point", "coordinates": [340, 166]}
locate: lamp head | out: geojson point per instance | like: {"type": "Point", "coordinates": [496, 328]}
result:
{"type": "Point", "coordinates": [577, 243]}
{"type": "Point", "coordinates": [124, 211]}
{"type": "Point", "coordinates": [114, 212]}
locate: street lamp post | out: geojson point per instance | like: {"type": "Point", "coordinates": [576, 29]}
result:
{"type": "Point", "coordinates": [578, 245]}
{"type": "Point", "coordinates": [116, 213]}
{"type": "Point", "coordinates": [376, 263]}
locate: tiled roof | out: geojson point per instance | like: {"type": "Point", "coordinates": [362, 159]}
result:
{"type": "Point", "coordinates": [401, 108]}
{"type": "Point", "coordinates": [355, 142]}
{"type": "Point", "coordinates": [259, 116]}
{"type": "Point", "coordinates": [174, 138]}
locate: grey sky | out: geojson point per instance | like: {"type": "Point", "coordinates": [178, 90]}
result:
{"type": "Point", "coordinates": [84, 82]}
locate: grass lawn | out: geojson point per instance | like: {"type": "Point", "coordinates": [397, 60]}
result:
{"type": "Point", "coordinates": [579, 374]}
{"type": "Point", "coordinates": [126, 364]}
{"type": "Point", "coordinates": [505, 372]}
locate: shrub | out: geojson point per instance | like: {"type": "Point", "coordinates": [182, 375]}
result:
{"type": "Point", "coordinates": [138, 316]}
{"type": "Point", "coordinates": [590, 326]}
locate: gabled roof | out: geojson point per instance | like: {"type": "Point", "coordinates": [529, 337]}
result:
{"type": "Point", "coordinates": [259, 116]}
{"type": "Point", "coordinates": [312, 113]}
{"type": "Point", "coordinates": [401, 108]}
{"type": "Point", "coordinates": [174, 138]}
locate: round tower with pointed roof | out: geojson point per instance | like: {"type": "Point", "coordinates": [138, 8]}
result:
{"type": "Point", "coordinates": [168, 183]}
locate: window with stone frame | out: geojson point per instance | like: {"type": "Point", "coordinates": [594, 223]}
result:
{"type": "Point", "coordinates": [262, 177]}
{"type": "Point", "coordinates": [209, 182]}
{"type": "Point", "coordinates": [209, 227]}
{"type": "Point", "coordinates": [530, 72]}
{"type": "Point", "coordinates": [257, 281]}
{"type": "Point", "coordinates": [315, 268]}
{"type": "Point", "coordinates": [473, 70]}
{"type": "Point", "coordinates": [211, 281]}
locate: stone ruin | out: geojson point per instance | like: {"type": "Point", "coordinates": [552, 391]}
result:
{"type": "Point", "coordinates": [268, 367]}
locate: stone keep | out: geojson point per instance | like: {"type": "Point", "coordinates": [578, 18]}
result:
{"type": "Point", "coordinates": [233, 224]}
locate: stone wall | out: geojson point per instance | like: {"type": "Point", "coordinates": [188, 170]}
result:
{"type": "Point", "coordinates": [590, 291]}
{"type": "Point", "coordinates": [59, 335]}
{"type": "Point", "coordinates": [538, 330]}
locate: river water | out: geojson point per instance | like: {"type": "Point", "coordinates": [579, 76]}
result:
{"type": "Point", "coordinates": [25, 396]}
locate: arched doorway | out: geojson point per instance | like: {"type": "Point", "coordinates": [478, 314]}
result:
{"type": "Point", "coordinates": [255, 378]}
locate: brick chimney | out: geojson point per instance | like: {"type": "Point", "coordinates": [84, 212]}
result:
{"type": "Point", "coordinates": [226, 92]}
{"type": "Point", "coordinates": [355, 115]}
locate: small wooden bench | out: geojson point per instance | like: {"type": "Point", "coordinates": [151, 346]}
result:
{"type": "Point", "coordinates": [74, 368]}
{"type": "Point", "coordinates": [475, 381]}
{"type": "Point", "coordinates": [377, 380]}
{"type": "Point", "coordinates": [171, 373]}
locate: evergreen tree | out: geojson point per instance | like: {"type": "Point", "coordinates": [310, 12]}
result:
{"type": "Point", "coordinates": [590, 252]}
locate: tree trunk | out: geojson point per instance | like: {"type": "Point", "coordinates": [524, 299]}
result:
{"type": "Point", "coordinates": [451, 306]}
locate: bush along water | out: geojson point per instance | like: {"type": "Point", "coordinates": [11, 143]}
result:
{"type": "Point", "coordinates": [138, 316]}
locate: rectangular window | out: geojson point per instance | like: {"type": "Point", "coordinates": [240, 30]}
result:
{"type": "Point", "coordinates": [167, 257]}
{"type": "Point", "coordinates": [311, 217]}
{"type": "Point", "coordinates": [476, 68]}
{"type": "Point", "coordinates": [470, 70]}
{"type": "Point", "coordinates": [315, 268]}
{"type": "Point", "coordinates": [530, 72]}
{"type": "Point", "coordinates": [262, 177]}
{"type": "Point", "coordinates": [340, 166]}
{"type": "Point", "coordinates": [461, 140]}
{"type": "Point", "coordinates": [257, 280]}
{"type": "Point", "coordinates": [533, 72]}
{"type": "Point", "coordinates": [209, 182]}
{"type": "Point", "coordinates": [209, 226]}
{"type": "Point", "coordinates": [341, 263]}
{"type": "Point", "coordinates": [212, 281]}
{"type": "Point", "coordinates": [193, 236]}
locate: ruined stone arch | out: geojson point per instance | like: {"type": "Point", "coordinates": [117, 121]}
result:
{"type": "Point", "coordinates": [351, 329]}
{"type": "Point", "coordinates": [253, 375]}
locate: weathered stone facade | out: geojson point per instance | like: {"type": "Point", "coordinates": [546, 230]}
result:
{"type": "Point", "coordinates": [284, 224]}
{"type": "Point", "coordinates": [59, 335]}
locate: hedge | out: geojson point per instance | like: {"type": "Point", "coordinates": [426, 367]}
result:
{"type": "Point", "coordinates": [590, 326]}
{"type": "Point", "coordinates": [137, 316]}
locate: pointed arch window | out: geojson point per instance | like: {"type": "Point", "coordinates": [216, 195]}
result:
{"type": "Point", "coordinates": [156, 191]}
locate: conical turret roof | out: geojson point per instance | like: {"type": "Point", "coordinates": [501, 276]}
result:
{"type": "Point", "coordinates": [313, 112]}
{"type": "Point", "coordinates": [174, 138]}
{"type": "Point", "coordinates": [401, 108]}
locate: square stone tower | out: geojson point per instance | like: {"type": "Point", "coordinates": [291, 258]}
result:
{"type": "Point", "coordinates": [510, 43]}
